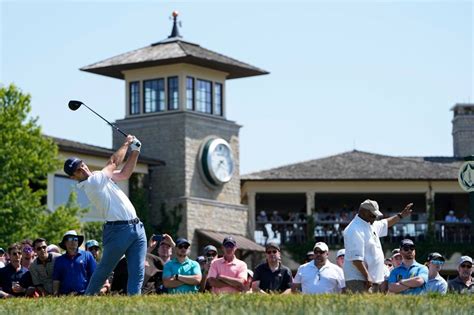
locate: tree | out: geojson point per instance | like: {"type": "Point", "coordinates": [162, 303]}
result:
{"type": "Point", "coordinates": [26, 158]}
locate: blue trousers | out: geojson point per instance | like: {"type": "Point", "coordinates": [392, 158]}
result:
{"type": "Point", "coordinates": [128, 239]}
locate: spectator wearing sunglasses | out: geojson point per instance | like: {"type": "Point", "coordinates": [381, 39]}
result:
{"type": "Point", "coordinates": [42, 268]}
{"type": "Point", "coordinates": [181, 274]}
{"type": "Point", "coordinates": [228, 274]}
{"type": "Point", "coordinates": [410, 277]}
{"type": "Point", "coordinates": [13, 274]}
{"type": "Point", "coordinates": [364, 257]}
{"type": "Point", "coordinates": [271, 276]}
{"type": "Point", "coordinates": [209, 255]}
{"type": "Point", "coordinates": [28, 254]}
{"type": "Point", "coordinates": [463, 282]}
{"type": "Point", "coordinates": [436, 283]}
{"type": "Point", "coordinates": [73, 270]}
{"type": "Point", "coordinates": [319, 276]}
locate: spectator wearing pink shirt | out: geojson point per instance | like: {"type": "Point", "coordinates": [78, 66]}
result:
{"type": "Point", "coordinates": [228, 274]}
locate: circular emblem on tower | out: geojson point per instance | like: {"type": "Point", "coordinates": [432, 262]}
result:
{"type": "Point", "coordinates": [466, 176]}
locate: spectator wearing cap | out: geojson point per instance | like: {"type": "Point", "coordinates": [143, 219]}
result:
{"type": "Point", "coordinates": [2, 258]}
{"type": "Point", "coordinates": [165, 248]}
{"type": "Point", "coordinates": [271, 276]}
{"type": "Point", "coordinates": [463, 282]}
{"type": "Point", "coordinates": [228, 274]}
{"type": "Point", "coordinates": [320, 275]}
{"type": "Point", "coordinates": [123, 233]}
{"type": "Point", "coordinates": [93, 247]}
{"type": "Point", "coordinates": [209, 254]}
{"type": "Point", "coordinates": [364, 257]}
{"type": "Point", "coordinates": [53, 249]}
{"type": "Point", "coordinates": [396, 257]}
{"type": "Point", "coordinates": [340, 257]}
{"type": "Point", "coordinates": [181, 274]}
{"type": "Point", "coordinates": [410, 277]}
{"type": "Point", "coordinates": [72, 270]}
{"type": "Point", "coordinates": [13, 274]}
{"type": "Point", "coordinates": [42, 268]}
{"type": "Point", "coordinates": [248, 285]}
{"type": "Point", "coordinates": [436, 283]}
{"type": "Point", "coordinates": [309, 256]}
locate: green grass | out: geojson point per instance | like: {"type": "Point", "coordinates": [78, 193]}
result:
{"type": "Point", "coordinates": [244, 304]}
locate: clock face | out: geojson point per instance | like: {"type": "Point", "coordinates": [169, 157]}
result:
{"type": "Point", "coordinates": [217, 161]}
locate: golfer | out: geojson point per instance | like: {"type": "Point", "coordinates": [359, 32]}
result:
{"type": "Point", "coordinates": [123, 232]}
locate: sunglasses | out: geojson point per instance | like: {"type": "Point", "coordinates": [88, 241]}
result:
{"type": "Point", "coordinates": [272, 251]}
{"type": "Point", "coordinates": [15, 254]}
{"type": "Point", "coordinates": [437, 262]}
{"type": "Point", "coordinates": [212, 254]}
{"type": "Point", "coordinates": [27, 249]}
{"type": "Point", "coordinates": [183, 246]}
{"type": "Point", "coordinates": [41, 247]}
{"type": "Point", "coordinates": [466, 266]}
{"type": "Point", "coordinates": [72, 239]}
{"type": "Point", "coordinates": [408, 248]}
{"type": "Point", "coordinates": [389, 265]}
{"type": "Point", "coordinates": [229, 245]}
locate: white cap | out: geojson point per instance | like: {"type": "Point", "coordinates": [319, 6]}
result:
{"type": "Point", "coordinates": [341, 252]}
{"type": "Point", "coordinates": [463, 259]}
{"type": "Point", "coordinates": [322, 246]}
{"type": "Point", "coordinates": [372, 206]}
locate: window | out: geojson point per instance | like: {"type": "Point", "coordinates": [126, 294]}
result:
{"type": "Point", "coordinates": [62, 189]}
{"type": "Point", "coordinates": [190, 93]}
{"type": "Point", "coordinates": [204, 96]}
{"type": "Point", "coordinates": [154, 95]}
{"type": "Point", "coordinates": [218, 99]}
{"type": "Point", "coordinates": [173, 93]}
{"type": "Point", "coordinates": [134, 98]}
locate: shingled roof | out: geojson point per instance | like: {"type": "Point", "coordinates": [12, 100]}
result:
{"type": "Point", "coordinates": [172, 51]}
{"type": "Point", "coordinates": [358, 165]}
{"type": "Point", "coordinates": [83, 148]}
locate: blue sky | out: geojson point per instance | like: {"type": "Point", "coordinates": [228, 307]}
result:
{"type": "Point", "coordinates": [376, 76]}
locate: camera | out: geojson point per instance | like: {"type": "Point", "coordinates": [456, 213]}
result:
{"type": "Point", "coordinates": [157, 237]}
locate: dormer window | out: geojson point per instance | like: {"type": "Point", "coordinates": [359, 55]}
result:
{"type": "Point", "coordinates": [173, 93]}
{"type": "Point", "coordinates": [204, 96]}
{"type": "Point", "coordinates": [134, 98]}
{"type": "Point", "coordinates": [154, 95]}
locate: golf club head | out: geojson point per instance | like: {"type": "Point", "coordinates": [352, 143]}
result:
{"type": "Point", "coordinates": [74, 105]}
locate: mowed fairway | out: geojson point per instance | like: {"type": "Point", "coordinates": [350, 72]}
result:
{"type": "Point", "coordinates": [243, 304]}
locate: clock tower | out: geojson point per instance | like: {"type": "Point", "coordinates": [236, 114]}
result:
{"type": "Point", "coordinates": [176, 105]}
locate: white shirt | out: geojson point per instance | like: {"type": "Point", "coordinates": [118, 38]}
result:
{"type": "Point", "coordinates": [108, 198]}
{"type": "Point", "coordinates": [361, 241]}
{"type": "Point", "coordinates": [328, 279]}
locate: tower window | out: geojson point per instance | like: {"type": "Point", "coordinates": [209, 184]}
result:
{"type": "Point", "coordinates": [218, 99]}
{"type": "Point", "coordinates": [154, 95]}
{"type": "Point", "coordinates": [173, 93]}
{"type": "Point", "coordinates": [204, 96]}
{"type": "Point", "coordinates": [190, 93]}
{"type": "Point", "coordinates": [134, 98]}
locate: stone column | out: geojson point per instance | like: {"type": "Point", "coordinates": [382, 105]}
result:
{"type": "Point", "coordinates": [309, 202]}
{"type": "Point", "coordinates": [251, 214]}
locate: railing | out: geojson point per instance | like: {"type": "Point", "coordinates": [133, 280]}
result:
{"type": "Point", "coordinates": [330, 232]}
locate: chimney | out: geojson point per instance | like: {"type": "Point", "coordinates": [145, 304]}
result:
{"type": "Point", "coordinates": [463, 130]}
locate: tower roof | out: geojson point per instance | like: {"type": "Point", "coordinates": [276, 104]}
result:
{"type": "Point", "coordinates": [172, 50]}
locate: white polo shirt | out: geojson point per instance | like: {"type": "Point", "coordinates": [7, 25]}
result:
{"type": "Point", "coordinates": [108, 198]}
{"type": "Point", "coordinates": [328, 279]}
{"type": "Point", "coordinates": [362, 242]}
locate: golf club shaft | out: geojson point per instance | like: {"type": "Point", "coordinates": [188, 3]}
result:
{"type": "Point", "coordinates": [112, 125]}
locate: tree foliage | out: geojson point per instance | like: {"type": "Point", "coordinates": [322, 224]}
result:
{"type": "Point", "coordinates": [26, 158]}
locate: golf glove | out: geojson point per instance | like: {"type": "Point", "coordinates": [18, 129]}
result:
{"type": "Point", "coordinates": [136, 145]}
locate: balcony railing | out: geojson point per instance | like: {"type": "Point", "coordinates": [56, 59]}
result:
{"type": "Point", "coordinates": [330, 232]}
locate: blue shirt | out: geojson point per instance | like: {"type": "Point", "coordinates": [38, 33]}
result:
{"type": "Point", "coordinates": [187, 268]}
{"type": "Point", "coordinates": [404, 272]}
{"type": "Point", "coordinates": [74, 272]}
{"type": "Point", "coordinates": [437, 284]}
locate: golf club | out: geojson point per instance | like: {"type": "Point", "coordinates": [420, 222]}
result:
{"type": "Point", "coordinates": [74, 105]}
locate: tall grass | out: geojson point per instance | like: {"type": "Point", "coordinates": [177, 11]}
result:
{"type": "Point", "coordinates": [243, 304]}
